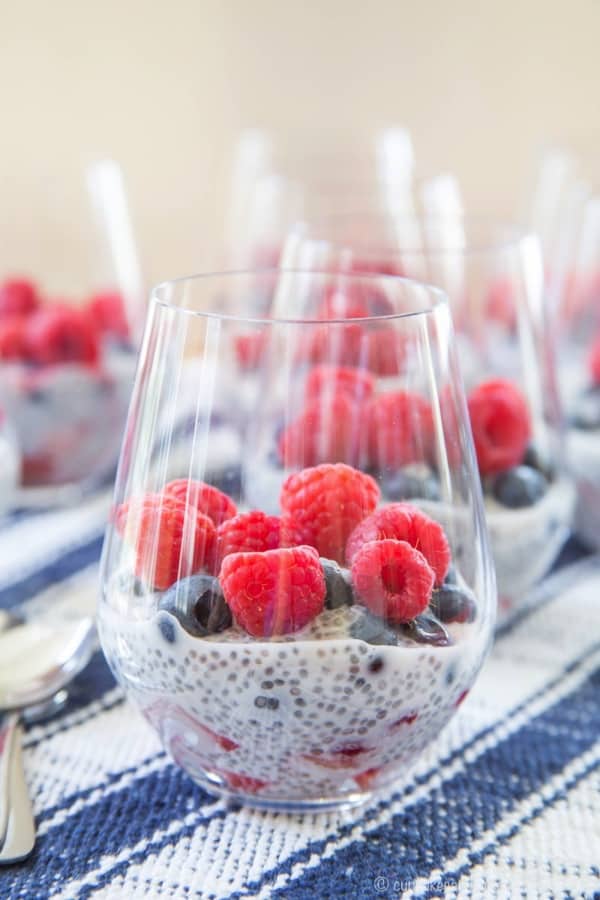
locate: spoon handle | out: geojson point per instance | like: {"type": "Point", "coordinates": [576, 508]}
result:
{"type": "Point", "coordinates": [17, 829]}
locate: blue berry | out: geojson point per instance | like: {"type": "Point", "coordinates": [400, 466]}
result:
{"type": "Point", "coordinates": [535, 460]}
{"type": "Point", "coordinates": [338, 584]}
{"type": "Point", "coordinates": [519, 487]}
{"type": "Point", "coordinates": [410, 483]}
{"type": "Point", "coordinates": [450, 604]}
{"type": "Point", "coordinates": [229, 481]}
{"type": "Point", "coordinates": [426, 629]}
{"type": "Point", "coordinates": [586, 413]}
{"type": "Point", "coordinates": [166, 626]}
{"type": "Point", "coordinates": [198, 604]}
{"type": "Point", "coordinates": [373, 630]}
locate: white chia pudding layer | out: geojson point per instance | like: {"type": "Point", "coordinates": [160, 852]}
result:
{"type": "Point", "coordinates": [307, 716]}
{"type": "Point", "coordinates": [583, 450]}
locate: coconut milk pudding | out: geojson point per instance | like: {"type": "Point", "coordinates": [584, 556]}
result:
{"type": "Point", "coordinates": [65, 380]}
{"type": "Point", "coordinates": [309, 656]}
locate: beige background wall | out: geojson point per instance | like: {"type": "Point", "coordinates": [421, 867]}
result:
{"type": "Point", "coordinates": [164, 86]}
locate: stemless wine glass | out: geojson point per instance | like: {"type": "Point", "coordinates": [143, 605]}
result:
{"type": "Point", "coordinates": [494, 279]}
{"type": "Point", "coordinates": [70, 302]}
{"type": "Point", "coordinates": [296, 640]}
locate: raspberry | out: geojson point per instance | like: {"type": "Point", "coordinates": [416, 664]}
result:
{"type": "Point", "coordinates": [59, 334]}
{"type": "Point", "coordinates": [18, 296]}
{"type": "Point", "coordinates": [387, 351]}
{"type": "Point", "coordinates": [357, 383]}
{"type": "Point", "coordinates": [328, 430]}
{"type": "Point", "coordinates": [347, 756]}
{"type": "Point", "coordinates": [400, 429]}
{"type": "Point", "coordinates": [501, 302]}
{"type": "Point", "coordinates": [366, 779]}
{"type": "Point", "coordinates": [323, 505]}
{"type": "Point", "coordinates": [341, 344]}
{"type": "Point", "coordinates": [249, 349]}
{"type": "Point", "coordinates": [164, 552]}
{"type": "Point", "coordinates": [404, 522]}
{"type": "Point", "coordinates": [107, 312]}
{"type": "Point", "coordinates": [253, 531]}
{"type": "Point", "coordinates": [204, 497]}
{"type": "Point", "coordinates": [244, 783]}
{"type": "Point", "coordinates": [501, 425]}
{"type": "Point", "coordinates": [13, 343]}
{"type": "Point", "coordinates": [273, 592]}
{"type": "Point", "coordinates": [594, 361]}
{"type": "Point", "coordinates": [392, 579]}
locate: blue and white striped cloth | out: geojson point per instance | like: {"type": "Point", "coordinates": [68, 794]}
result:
{"type": "Point", "coordinates": [506, 804]}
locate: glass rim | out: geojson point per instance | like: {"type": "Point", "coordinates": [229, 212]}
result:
{"type": "Point", "coordinates": [514, 232]}
{"type": "Point", "coordinates": [439, 298]}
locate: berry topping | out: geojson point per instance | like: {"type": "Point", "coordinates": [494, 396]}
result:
{"type": "Point", "coordinates": [400, 429]}
{"type": "Point", "coordinates": [244, 783]}
{"type": "Point", "coordinates": [338, 585]}
{"type": "Point", "coordinates": [328, 430]}
{"type": "Point", "coordinates": [357, 383]}
{"type": "Point", "coordinates": [13, 339]}
{"type": "Point", "coordinates": [60, 334]}
{"type": "Point", "coordinates": [18, 296]}
{"type": "Point", "coordinates": [198, 604]}
{"type": "Point", "coordinates": [519, 487]}
{"type": "Point", "coordinates": [595, 361]}
{"type": "Point", "coordinates": [426, 629]}
{"type": "Point", "coordinates": [345, 757]}
{"type": "Point", "coordinates": [204, 497]}
{"type": "Point", "coordinates": [586, 412]}
{"type": "Point", "coordinates": [274, 592]}
{"type": "Point", "coordinates": [107, 311]}
{"type": "Point", "coordinates": [253, 531]}
{"type": "Point", "coordinates": [392, 579]}
{"type": "Point", "coordinates": [159, 528]}
{"type": "Point", "coordinates": [373, 630]}
{"type": "Point", "coordinates": [404, 522]}
{"type": "Point", "coordinates": [451, 604]}
{"type": "Point", "coordinates": [416, 481]}
{"type": "Point", "coordinates": [501, 425]}
{"type": "Point", "coordinates": [366, 779]}
{"type": "Point", "coordinates": [323, 505]}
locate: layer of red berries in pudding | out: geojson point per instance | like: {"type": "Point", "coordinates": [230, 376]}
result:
{"type": "Point", "coordinates": [65, 378]}
{"type": "Point", "coordinates": [347, 415]}
{"type": "Point", "coordinates": [582, 397]}
{"type": "Point", "coordinates": [297, 656]}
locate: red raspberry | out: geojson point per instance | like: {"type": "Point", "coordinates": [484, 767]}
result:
{"type": "Point", "coordinates": [387, 351]}
{"type": "Point", "coordinates": [323, 505]}
{"type": "Point", "coordinates": [342, 345]}
{"type": "Point", "coordinates": [253, 531]}
{"type": "Point", "coordinates": [330, 429]}
{"type": "Point", "coordinates": [400, 429]}
{"type": "Point", "coordinates": [244, 783]}
{"type": "Point", "coordinates": [501, 302]}
{"type": "Point", "coordinates": [347, 756]}
{"type": "Point", "coordinates": [501, 425]}
{"type": "Point", "coordinates": [13, 342]}
{"type": "Point", "coordinates": [156, 525]}
{"type": "Point", "coordinates": [357, 383]}
{"type": "Point", "coordinates": [60, 334]}
{"type": "Point", "coordinates": [273, 592]}
{"type": "Point", "coordinates": [249, 349]}
{"type": "Point", "coordinates": [392, 579]}
{"type": "Point", "coordinates": [204, 497]}
{"type": "Point", "coordinates": [366, 779]}
{"type": "Point", "coordinates": [404, 522]}
{"type": "Point", "coordinates": [18, 296]}
{"type": "Point", "coordinates": [594, 361]}
{"type": "Point", "coordinates": [107, 312]}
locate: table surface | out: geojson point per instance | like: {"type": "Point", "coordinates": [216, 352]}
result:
{"type": "Point", "coordinates": [506, 804]}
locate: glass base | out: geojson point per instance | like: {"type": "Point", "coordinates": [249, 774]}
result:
{"type": "Point", "coordinates": [213, 784]}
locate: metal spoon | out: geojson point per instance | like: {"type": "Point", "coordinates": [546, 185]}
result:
{"type": "Point", "coordinates": [37, 661]}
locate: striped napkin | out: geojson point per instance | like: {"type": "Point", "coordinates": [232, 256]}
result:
{"type": "Point", "coordinates": [506, 804]}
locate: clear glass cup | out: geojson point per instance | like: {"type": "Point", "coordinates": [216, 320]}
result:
{"type": "Point", "coordinates": [493, 276]}
{"type": "Point", "coordinates": [573, 300]}
{"type": "Point", "coordinates": [296, 639]}
{"type": "Point", "coordinates": [70, 308]}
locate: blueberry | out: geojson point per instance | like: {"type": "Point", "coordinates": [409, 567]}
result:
{"type": "Point", "coordinates": [38, 396]}
{"type": "Point", "coordinates": [338, 583]}
{"type": "Point", "coordinates": [586, 412]}
{"type": "Point", "coordinates": [451, 604]}
{"type": "Point", "coordinates": [166, 626]}
{"type": "Point", "coordinates": [410, 483]}
{"type": "Point", "coordinates": [426, 629]}
{"type": "Point", "coordinates": [198, 603]}
{"type": "Point", "coordinates": [519, 487]}
{"type": "Point", "coordinates": [229, 480]}
{"type": "Point", "coordinates": [451, 577]}
{"type": "Point", "coordinates": [373, 630]}
{"type": "Point", "coordinates": [535, 460]}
